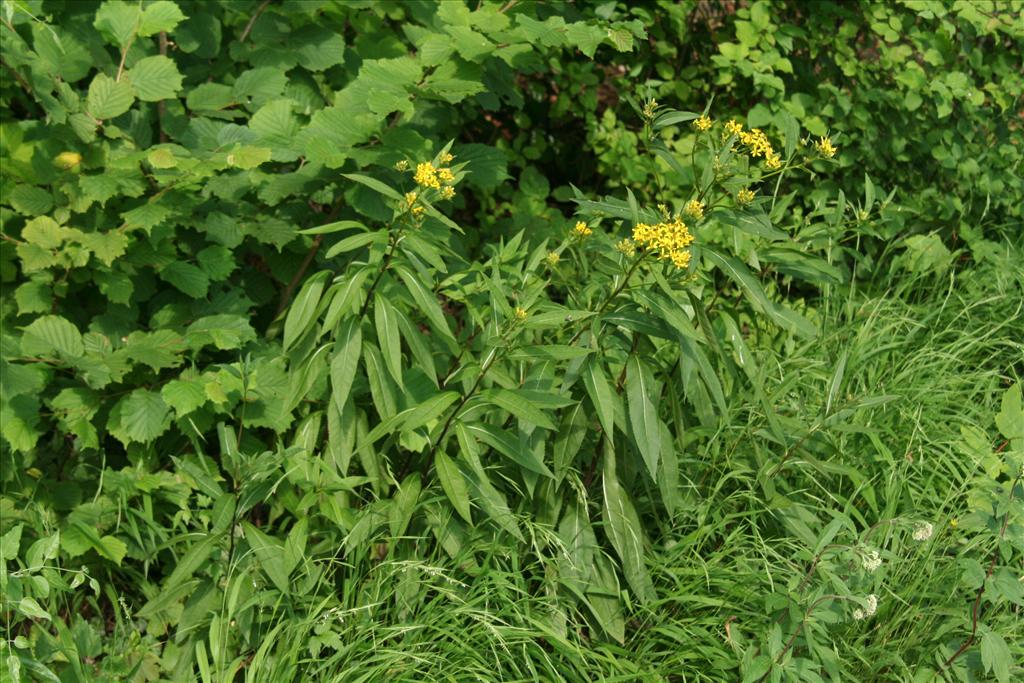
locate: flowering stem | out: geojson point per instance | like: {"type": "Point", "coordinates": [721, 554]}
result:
{"type": "Point", "coordinates": [383, 268]}
{"type": "Point", "coordinates": [799, 629]}
{"type": "Point", "coordinates": [607, 302]}
{"type": "Point", "coordinates": [976, 610]}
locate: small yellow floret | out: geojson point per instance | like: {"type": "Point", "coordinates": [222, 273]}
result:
{"type": "Point", "coordinates": [447, 192]}
{"type": "Point", "coordinates": [520, 314]}
{"type": "Point", "coordinates": [772, 161]}
{"type": "Point", "coordinates": [581, 229]}
{"type": "Point", "coordinates": [694, 209]}
{"type": "Point", "coordinates": [703, 123]}
{"type": "Point", "coordinates": [446, 158]}
{"type": "Point", "coordinates": [410, 198]}
{"type": "Point", "coordinates": [733, 128]}
{"type": "Point", "coordinates": [825, 147]}
{"type": "Point", "coordinates": [669, 240]}
{"type": "Point", "coordinates": [744, 196]}
{"type": "Point", "coordinates": [402, 165]}
{"type": "Point", "coordinates": [445, 175]}
{"type": "Point", "coordinates": [626, 247]}
{"type": "Point", "coordinates": [426, 176]}
{"type": "Point", "coordinates": [552, 259]}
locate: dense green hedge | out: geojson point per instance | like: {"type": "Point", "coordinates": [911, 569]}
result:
{"type": "Point", "coordinates": [246, 328]}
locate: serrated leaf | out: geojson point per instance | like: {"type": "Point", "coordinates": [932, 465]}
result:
{"type": "Point", "coordinates": [247, 157]}
{"type": "Point", "coordinates": [996, 656]}
{"type": "Point", "coordinates": [1010, 419]}
{"type": "Point", "coordinates": [183, 395]}
{"type": "Point", "coordinates": [275, 124]}
{"type": "Point", "coordinates": [155, 78]}
{"type": "Point", "coordinates": [109, 98]}
{"type": "Point", "coordinates": [586, 38]}
{"type": "Point", "coordinates": [217, 262]}
{"type": "Point", "coordinates": [144, 415]}
{"type": "Point", "coordinates": [105, 246]}
{"type": "Point", "coordinates": [159, 349]}
{"type": "Point", "coordinates": [43, 232]}
{"type": "Point", "coordinates": [34, 296]}
{"type": "Point", "coordinates": [162, 15]}
{"type": "Point", "coordinates": [29, 200]}
{"type": "Point", "coordinates": [51, 334]}
{"type": "Point", "coordinates": [225, 331]}
{"type": "Point", "coordinates": [75, 408]}
{"type": "Point", "coordinates": [118, 21]}
{"type": "Point", "coordinates": [186, 278]}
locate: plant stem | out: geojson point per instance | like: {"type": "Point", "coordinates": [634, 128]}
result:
{"type": "Point", "coordinates": [607, 302]}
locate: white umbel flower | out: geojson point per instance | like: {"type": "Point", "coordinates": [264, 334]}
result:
{"type": "Point", "coordinates": [871, 560]}
{"type": "Point", "coordinates": [923, 531]}
{"type": "Point", "coordinates": [868, 610]}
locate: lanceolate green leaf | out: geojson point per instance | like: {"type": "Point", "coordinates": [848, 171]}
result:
{"type": "Point", "coordinates": [345, 360]}
{"type": "Point", "coordinates": [506, 444]}
{"type": "Point", "coordinates": [600, 393]}
{"type": "Point", "coordinates": [374, 184]}
{"type": "Point", "coordinates": [426, 300]}
{"type": "Point", "coordinates": [642, 415]}
{"type": "Point", "coordinates": [624, 529]}
{"type": "Point", "coordinates": [738, 273]}
{"type": "Point", "coordinates": [454, 484]}
{"type": "Point", "coordinates": [303, 309]}
{"type": "Point", "coordinates": [386, 320]}
{"type": "Point", "coordinates": [518, 406]}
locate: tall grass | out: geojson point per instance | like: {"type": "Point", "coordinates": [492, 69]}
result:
{"type": "Point", "coordinates": [736, 568]}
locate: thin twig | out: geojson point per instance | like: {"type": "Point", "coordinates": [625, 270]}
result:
{"type": "Point", "coordinates": [286, 295]}
{"type": "Point", "coordinates": [976, 610]}
{"type": "Point", "coordinates": [18, 77]}
{"type": "Point", "coordinates": [252, 20]}
{"type": "Point", "coordinates": [161, 106]}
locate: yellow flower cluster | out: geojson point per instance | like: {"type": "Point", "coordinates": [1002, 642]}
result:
{"type": "Point", "coordinates": [757, 143]}
{"type": "Point", "coordinates": [426, 176]}
{"type": "Point", "coordinates": [703, 123]}
{"type": "Point", "coordinates": [429, 176]}
{"type": "Point", "coordinates": [402, 165]}
{"type": "Point", "coordinates": [626, 247]}
{"type": "Point", "coordinates": [694, 209]}
{"type": "Point", "coordinates": [744, 196]}
{"type": "Point", "coordinates": [669, 239]}
{"type": "Point", "coordinates": [552, 259]}
{"type": "Point", "coordinates": [581, 229]}
{"type": "Point", "coordinates": [410, 201]}
{"type": "Point", "coordinates": [521, 314]}
{"type": "Point", "coordinates": [825, 147]}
